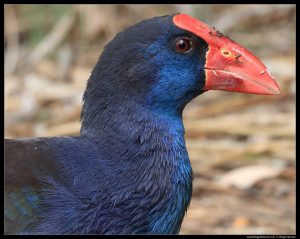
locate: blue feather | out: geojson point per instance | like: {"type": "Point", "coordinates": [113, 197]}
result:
{"type": "Point", "coordinates": [129, 171]}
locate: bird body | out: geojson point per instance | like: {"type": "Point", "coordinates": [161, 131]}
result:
{"type": "Point", "coordinates": [100, 194]}
{"type": "Point", "coordinates": [128, 172]}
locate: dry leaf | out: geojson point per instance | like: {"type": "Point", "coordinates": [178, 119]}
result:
{"type": "Point", "coordinates": [246, 177]}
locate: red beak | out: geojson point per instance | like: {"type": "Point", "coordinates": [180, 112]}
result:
{"type": "Point", "coordinates": [229, 66]}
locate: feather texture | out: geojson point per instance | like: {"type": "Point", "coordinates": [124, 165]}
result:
{"type": "Point", "coordinates": [128, 172]}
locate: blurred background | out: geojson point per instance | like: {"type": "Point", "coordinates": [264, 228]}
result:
{"type": "Point", "coordinates": [242, 147]}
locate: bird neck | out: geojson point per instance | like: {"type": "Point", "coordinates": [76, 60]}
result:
{"type": "Point", "coordinates": [133, 123]}
{"type": "Point", "coordinates": [142, 132]}
{"type": "Point", "coordinates": [153, 139]}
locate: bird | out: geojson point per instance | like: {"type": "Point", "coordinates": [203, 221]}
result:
{"type": "Point", "coordinates": [128, 171]}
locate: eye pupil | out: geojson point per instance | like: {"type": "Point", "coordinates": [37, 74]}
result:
{"type": "Point", "coordinates": [183, 45]}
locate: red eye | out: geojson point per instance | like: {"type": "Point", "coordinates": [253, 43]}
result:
{"type": "Point", "coordinates": [183, 45]}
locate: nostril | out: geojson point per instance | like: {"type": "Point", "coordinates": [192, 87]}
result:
{"type": "Point", "coordinates": [226, 52]}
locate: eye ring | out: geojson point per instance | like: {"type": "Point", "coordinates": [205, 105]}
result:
{"type": "Point", "coordinates": [183, 45]}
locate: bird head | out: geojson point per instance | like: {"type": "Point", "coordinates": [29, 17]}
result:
{"type": "Point", "coordinates": [164, 62]}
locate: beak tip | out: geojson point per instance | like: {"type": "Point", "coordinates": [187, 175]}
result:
{"type": "Point", "coordinates": [276, 89]}
{"type": "Point", "coordinates": [271, 89]}
{"type": "Point", "coordinates": [277, 92]}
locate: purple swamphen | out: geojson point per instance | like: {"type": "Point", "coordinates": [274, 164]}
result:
{"type": "Point", "coordinates": [128, 172]}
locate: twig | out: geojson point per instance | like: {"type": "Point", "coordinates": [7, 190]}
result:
{"type": "Point", "coordinates": [12, 40]}
{"type": "Point", "coordinates": [52, 40]}
{"type": "Point", "coordinates": [233, 104]}
{"type": "Point", "coordinates": [245, 13]}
